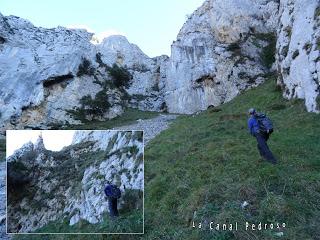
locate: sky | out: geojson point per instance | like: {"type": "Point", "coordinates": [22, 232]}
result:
{"type": "Point", "coordinates": [151, 24]}
{"type": "Point", "coordinates": [53, 140]}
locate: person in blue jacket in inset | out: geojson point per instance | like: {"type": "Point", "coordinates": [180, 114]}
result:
{"type": "Point", "coordinates": [261, 136]}
{"type": "Point", "coordinates": [113, 193]}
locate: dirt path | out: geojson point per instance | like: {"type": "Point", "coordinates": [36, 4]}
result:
{"type": "Point", "coordinates": [151, 127]}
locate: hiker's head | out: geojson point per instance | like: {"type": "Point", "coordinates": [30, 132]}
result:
{"type": "Point", "coordinates": [251, 111]}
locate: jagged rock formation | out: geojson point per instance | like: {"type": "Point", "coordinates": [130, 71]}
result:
{"type": "Point", "coordinates": [219, 52]}
{"type": "Point", "coordinates": [45, 186]}
{"type": "Point", "coordinates": [298, 49]}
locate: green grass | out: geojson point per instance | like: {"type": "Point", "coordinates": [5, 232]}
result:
{"type": "Point", "coordinates": [203, 167]}
{"type": "Point", "coordinates": [130, 115]}
{"type": "Point", "coordinates": [130, 222]}
{"type": "Point", "coordinates": [209, 164]}
{"type": "Point", "coordinates": [2, 150]}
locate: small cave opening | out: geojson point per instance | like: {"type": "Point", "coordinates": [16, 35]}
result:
{"type": "Point", "coordinates": [56, 80]}
{"type": "Point", "coordinates": [2, 40]}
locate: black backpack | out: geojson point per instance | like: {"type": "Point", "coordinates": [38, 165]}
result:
{"type": "Point", "coordinates": [265, 124]}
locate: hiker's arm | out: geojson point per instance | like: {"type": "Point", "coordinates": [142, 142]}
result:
{"type": "Point", "coordinates": [250, 126]}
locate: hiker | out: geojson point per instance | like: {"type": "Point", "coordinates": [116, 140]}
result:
{"type": "Point", "coordinates": [261, 127]}
{"type": "Point", "coordinates": [113, 193]}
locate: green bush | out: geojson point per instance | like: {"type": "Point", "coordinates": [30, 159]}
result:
{"type": "Point", "coordinates": [95, 107]}
{"type": "Point", "coordinates": [132, 200]}
{"type": "Point", "coordinates": [85, 68]}
{"type": "Point", "coordinates": [120, 76]}
{"type": "Point", "coordinates": [268, 53]}
{"type": "Point", "coordinates": [295, 54]}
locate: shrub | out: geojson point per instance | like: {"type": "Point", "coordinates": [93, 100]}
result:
{"type": "Point", "coordinates": [295, 54]}
{"type": "Point", "coordinates": [284, 51]}
{"type": "Point", "coordinates": [307, 46]}
{"type": "Point", "coordinates": [120, 76]}
{"type": "Point", "coordinates": [233, 47]}
{"type": "Point", "coordinates": [85, 68]}
{"type": "Point", "coordinates": [267, 55]}
{"type": "Point", "coordinates": [288, 30]}
{"type": "Point", "coordinates": [99, 60]}
{"type": "Point", "coordinates": [132, 200]}
{"type": "Point", "coordinates": [96, 107]}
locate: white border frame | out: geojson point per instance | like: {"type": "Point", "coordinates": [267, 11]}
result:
{"type": "Point", "coordinates": [28, 233]}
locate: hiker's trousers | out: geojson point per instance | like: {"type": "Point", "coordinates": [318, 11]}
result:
{"type": "Point", "coordinates": [263, 148]}
{"type": "Point", "coordinates": [113, 207]}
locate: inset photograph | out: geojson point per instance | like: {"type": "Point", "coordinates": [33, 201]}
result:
{"type": "Point", "coordinates": [83, 181]}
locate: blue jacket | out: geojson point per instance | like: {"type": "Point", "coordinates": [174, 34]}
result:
{"type": "Point", "coordinates": [253, 125]}
{"type": "Point", "coordinates": [112, 191]}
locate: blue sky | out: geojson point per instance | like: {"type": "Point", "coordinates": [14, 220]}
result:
{"type": "Point", "coordinates": [53, 140]}
{"type": "Point", "coordinates": [151, 24]}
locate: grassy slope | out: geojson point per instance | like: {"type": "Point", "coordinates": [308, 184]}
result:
{"type": "Point", "coordinates": [209, 164]}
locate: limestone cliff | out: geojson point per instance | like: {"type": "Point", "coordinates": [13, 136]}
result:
{"type": "Point", "coordinates": [219, 52]}
{"type": "Point", "coordinates": [298, 51]}
{"type": "Point", "coordinates": [44, 186]}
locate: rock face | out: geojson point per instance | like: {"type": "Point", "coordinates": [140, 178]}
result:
{"type": "Point", "coordinates": [45, 186]}
{"type": "Point", "coordinates": [45, 73]}
{"type": "Point", "coordinates": [298, 47]}
{"type": "Point", "coordinates": [148, 75]}
{"type": "Point", "coordinates": [219, 52]}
